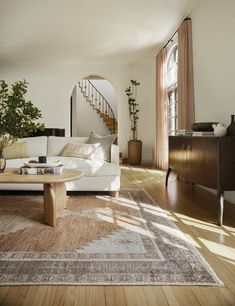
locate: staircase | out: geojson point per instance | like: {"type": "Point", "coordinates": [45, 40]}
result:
{"type": "Point", "coordinates": [98, 102]}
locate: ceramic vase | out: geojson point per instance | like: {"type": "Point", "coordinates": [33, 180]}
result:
{"type": "Point", "coordinates": [231, 127]}
{"type": "Point", "coordinates": [2, 163]}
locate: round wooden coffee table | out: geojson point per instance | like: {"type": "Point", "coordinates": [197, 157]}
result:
{"type": "Point", "coordinates": [54, 188]}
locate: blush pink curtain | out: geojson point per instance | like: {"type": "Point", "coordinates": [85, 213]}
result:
{"type": "Point", "coordinates": [186, 108]}
{"type": "Point", "coordinates": [161, 148]}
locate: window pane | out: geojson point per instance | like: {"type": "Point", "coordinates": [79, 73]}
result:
{"type": "Point", "coordinates": [172, 90]}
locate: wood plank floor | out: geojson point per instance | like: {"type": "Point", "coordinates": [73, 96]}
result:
{"type": "Point", "coordinates": [194, 210]}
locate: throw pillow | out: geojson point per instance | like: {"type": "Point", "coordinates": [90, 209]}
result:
{"type": "Point", "coordinates": [85, 151]}
{"type": "Point", "coordinates": [16, 150]}
{"type": "Point", "coordinates": [104, 141]}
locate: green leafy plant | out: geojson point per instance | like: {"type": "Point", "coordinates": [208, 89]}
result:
{"type": "Point", "coordinates": [17, 115]}
{"type": "Point", "coordinates": [131, 92]}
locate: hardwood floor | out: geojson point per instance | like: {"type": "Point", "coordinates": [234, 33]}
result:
{"type": "Point", "coordinates": [194, 210]}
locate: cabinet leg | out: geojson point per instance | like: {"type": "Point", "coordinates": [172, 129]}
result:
{"type": "Point", "coordinates": [221, 207]}
{"type": "Point", "coordinates": [167, 175]}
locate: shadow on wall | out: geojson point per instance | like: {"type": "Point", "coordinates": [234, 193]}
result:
{"type": "Point", "coordinates": [93, 107]}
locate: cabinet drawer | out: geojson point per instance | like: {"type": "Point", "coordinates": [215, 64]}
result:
{"type": "Point", "coordinates": [227, 163]}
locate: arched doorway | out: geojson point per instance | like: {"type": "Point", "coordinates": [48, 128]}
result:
{"type": "Point", "coordinates": [93, 107]}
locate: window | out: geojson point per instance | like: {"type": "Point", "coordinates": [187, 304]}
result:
{"type": "Point", "coordinates": [172, 63]}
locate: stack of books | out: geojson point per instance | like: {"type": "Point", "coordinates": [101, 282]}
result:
{"type": "Point", "coordinates": [39, 168]}
{"type": "Point", "coordinates": [203, 133]}
{"type": "Point", "coordinates": [193, 133]}
{"type": "Point", "coordinates": [184, 132]}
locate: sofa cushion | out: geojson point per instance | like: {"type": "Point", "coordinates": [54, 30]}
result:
{"type": "Point", "coordinates": [88, 167]}
{"type": "Point", "coordinates": [56, 145]}
{"type": "Point", "coordinates": [16, 150]}
{"type": "Point", "coordinates": [37, 145]}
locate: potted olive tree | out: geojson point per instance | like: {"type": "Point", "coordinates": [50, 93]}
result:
{"type": "Point", "coordinates": [17, 115]}
{"type": "Point", "coordinates": [134, 145]}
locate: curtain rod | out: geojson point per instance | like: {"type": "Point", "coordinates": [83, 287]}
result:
{"type": "Point", "coordinates": [170, 40]}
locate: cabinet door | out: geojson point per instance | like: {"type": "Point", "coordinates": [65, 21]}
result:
{"type": "Point", "coordinates": [227, 163]}
{"type": "Point", "coordinates": [177, 155]}
{"type": "Point", "coordinates": [202, 161]}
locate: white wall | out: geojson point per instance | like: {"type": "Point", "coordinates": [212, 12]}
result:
{"type": "Point", "coordinates": [50, 88]}
{"type": "Point", "coordinates": [145, 73]}
{"type": "Point", "coordinates": [214, 62]}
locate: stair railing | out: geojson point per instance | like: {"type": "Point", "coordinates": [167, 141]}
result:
{"type": "Point", "coordinates": [98, 101]}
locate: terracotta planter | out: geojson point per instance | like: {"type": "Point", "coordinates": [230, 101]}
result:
{"type": "Point", "coordinates": [134, 152]}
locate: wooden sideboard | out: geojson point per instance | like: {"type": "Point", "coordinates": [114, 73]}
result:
{"type": "Point", "coordinates": [207, 161]}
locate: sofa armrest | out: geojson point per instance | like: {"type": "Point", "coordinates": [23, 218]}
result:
{"type": "Point", "coordinates": [114, 154]}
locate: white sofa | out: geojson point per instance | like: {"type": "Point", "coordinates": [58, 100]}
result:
{"type": "Point", "coordinates": [98, 175]}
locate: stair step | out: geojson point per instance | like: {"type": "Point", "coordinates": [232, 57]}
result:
{"type": "Point", "coordinates": [110, 122]}
{"type": "Point", "coordinates": [102, 115]}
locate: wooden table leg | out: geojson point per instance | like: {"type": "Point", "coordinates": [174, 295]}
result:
{"type": "Point", "coordinates": [54, 199]}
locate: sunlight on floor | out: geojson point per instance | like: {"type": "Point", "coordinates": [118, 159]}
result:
{"type": "Point", "coordinates": [132, 168]}
{"type": "Point", "coordinates": [138, 181]}
{"type": "Point", "coordinates": [176, 245]}
{"type": "Point", "coordinates": [155, 171]}
{"type": "Point", "coordinates": [184, 217]}
{"type": "Point", "coordinates": [232, 262]}
{"type": "Point", "coordinates": [160, 214]}
{"type": "Point", "coordinates": [134, 223]}
{"type": "Point", "coordinates": [219, 249]}
{"type": "Point", "coordinates": [137, 224]}
{"type": "Point", "coordinates": [120, 201]}
{"type": "Point", "coordinates": [230, 229]}
{"type": "Point", "coordinates": [171, 230]}
{"type": "Point", "coordinates": [126, 223]}
{"type": "Point", "coordinates": [154, 208]}
{"type": "Point", "coordinates": [151, 207]}
{"type": "Point", "coordinates": [136, 229]}
{"type": "Point", "coordinates": [145, 170]}
{"type": "Point", "coordinates": [207, 227]}
{"type": "Point", "coordinates": [192, 241]}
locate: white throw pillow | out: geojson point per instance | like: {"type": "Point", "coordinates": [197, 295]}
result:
{"type": "Point", "coordinates": [104, 141]}
{"type": "Point", "coordinates": [16, 150]}
{"type": "Point", "coordinates": [57, 144]}
{"type": "Point", "coordinates": [85, 151]}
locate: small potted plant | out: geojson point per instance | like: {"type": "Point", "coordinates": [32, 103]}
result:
{"type": "Point", "coordinates": [134, 145]}
{"type": "Point", "coordinates": [5, 141]}
{"type": "Point", "coordinates": [17, 115]}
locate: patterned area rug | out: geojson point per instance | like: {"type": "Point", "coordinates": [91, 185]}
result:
{"type": "Point", "coordinates": [98, 240]}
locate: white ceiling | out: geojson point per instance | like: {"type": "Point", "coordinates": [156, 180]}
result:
{"type": "Point", "coordinates": [45, 31]}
